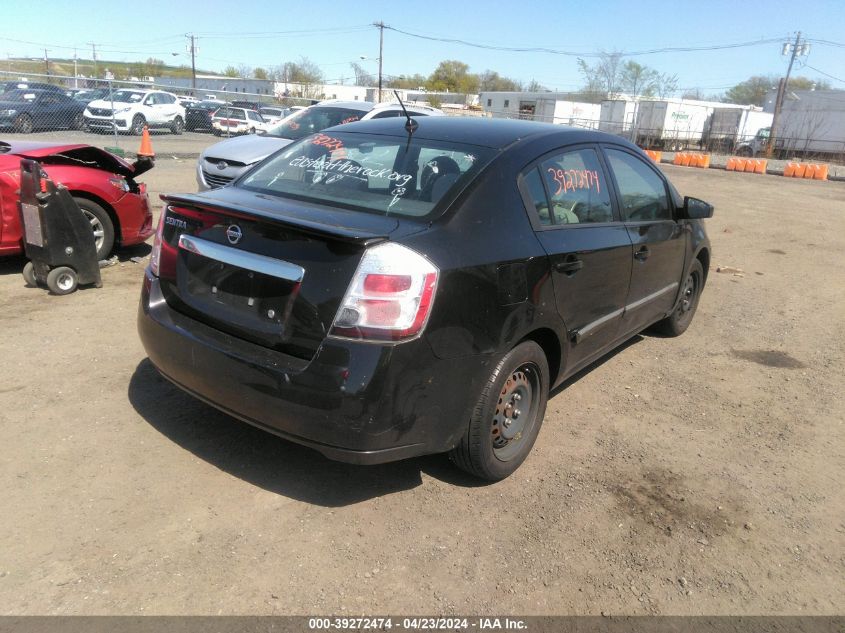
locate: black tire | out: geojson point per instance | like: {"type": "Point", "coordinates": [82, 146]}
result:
{"type": "Point", "coordinates": [29, 275]}
{"type": "Point", "coordinates": [678, 322]}
{"type": "Point", "coordinates": [62, 280]}
{"type": "Point", "coordinates": [101, 224]}
{"type": "Point", "coordinates": [744, 152]}
{"type": "Point", "coordinates": [138, 123]}
{"type": "Point", "coordinates": [177, 126]}
{"type": "Point", "coordinates": [216, 132]}
{"type": "Point", "coordinates": [23, 124]}
{"type": "Point", "coordinates": [78, 121]}
{"type": "Point", "coordinates": [497, 441]}
{"type": "Point", "coordinates": [252, 130]}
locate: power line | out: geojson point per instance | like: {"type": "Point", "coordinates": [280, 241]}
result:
{"type": "Point", "coordinates": [805, 65]}
{"type": "Point", "coordinates": [569, 53]}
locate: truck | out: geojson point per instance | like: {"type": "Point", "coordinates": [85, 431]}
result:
{"type": "Point", "coordinates": [732, 128]}
{"type": "Point", "coordinates": [811, 125]}
{"type": "Point", "coordinates": [672, 124]}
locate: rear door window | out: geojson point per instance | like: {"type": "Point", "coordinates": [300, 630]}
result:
{"type": "Point", "coordinates": [576, 187]}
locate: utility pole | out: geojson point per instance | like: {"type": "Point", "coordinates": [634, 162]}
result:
{"type": "Point", "coordinates": [783, 86]}
{"type": "Point", "coordinates": [46, 63]}
{"type": "Point", "coordinates": [94, 56]}
{"type": "Point", "coordinates": [192, 49]}
{"type": "Point", "coordinates": [380, 26]}
{"type": "Point", "coordinates": [75, 72]}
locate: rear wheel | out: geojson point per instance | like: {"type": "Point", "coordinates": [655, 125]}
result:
{"type": "Point", "coordinates": [508, 415]}
{"type": "Point", "coordinates": [101, 225]}
{"type": "Point", "coordinates": [23, 124]}
{"type": "Point", "coordinates": [77, 122]}
{"type": "Point", "coordinates": [62, 280]}
{"type": "Point", "coordinates": [29, 275]}
{"type": "Point", "coordinates": [177, 126]}
{"type": "Point", "coordinates": [678, 322]}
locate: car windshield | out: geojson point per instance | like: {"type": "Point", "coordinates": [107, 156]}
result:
{"type": "Point", "coordinates": [19, 96]}
{"type": "Point", "coordinates": [205, 105]}
{"type": "Point", "coordinates": [314, 119]}
{"type": "Point", "coordinates": [127, 96]}
{"type": "Point", "coordinates": [378, 174]}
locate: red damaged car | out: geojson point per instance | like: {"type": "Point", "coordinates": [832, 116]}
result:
{"type": "Point", "coordinates": [102, 184]}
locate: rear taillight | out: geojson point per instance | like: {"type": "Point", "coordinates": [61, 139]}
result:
{"type": "Point", "coordinates": [155, 254]}
{"type": "Point", "coordinates": [390, 296]}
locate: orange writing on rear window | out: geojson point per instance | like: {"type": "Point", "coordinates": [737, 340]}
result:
{"type": "Point", "coordinates": [328, 142]}
{"type": "Point", "coordinates": [572, 179]}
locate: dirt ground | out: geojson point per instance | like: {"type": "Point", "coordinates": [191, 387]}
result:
{"type": "Point", "coordinates": [698, 475]}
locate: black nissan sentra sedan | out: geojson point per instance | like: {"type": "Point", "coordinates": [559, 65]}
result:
{"type": "Point", "coordinates": [392, 288]}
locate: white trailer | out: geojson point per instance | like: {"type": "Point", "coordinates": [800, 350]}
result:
{"type": "Point", "coordinates": [672, 124]}
{"type": "Point", "coordinates": [732, 127]}
{"type": "Point", "coordinates": [617, 116]}
{"type": "Point", "coordinates": [573, 113]}
{"type": "Point", "coordinates": [812, 122]}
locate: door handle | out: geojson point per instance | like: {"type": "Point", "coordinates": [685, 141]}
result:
{"type": "Point", "coordinates": [570, 265]}
{"type": "Point", "coordinates": [642, 254]}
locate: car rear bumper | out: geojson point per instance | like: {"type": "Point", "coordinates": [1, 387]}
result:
{"type": "Point", "coordinates": [354, 402]}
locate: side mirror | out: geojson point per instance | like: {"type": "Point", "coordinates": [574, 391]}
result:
{"type": "Point", "coordinates": [695, 209]}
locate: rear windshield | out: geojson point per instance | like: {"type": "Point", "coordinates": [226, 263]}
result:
{"type": "Point", "coordinates": [314, 119]}
{"type": "Point", "coordinates": [378, 174]}
{"type": "Point", "coordinates": [19, 95]}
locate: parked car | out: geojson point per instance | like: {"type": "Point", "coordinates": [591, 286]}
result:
{"type": "Point", "coordinates": [249, 105]}
{"type": "Point", "coordinates": [221, 163]}
{"type": "Point", "coordinates": [87, 96]}
{"type": "Point", "coordinates": [133, 109]}
{"type": "Point", "coordinates": [272, 115]}
{"type": "Point", "coordinates": [103, 185]}
{"type": "Point", "coordinates": [28, 110]}
{"type": "Point", "coordinates": [198, 115]}
{"type": "Point", "coordinates": [8, 86]}
{"type": "Point", "coordinates": [186, 100]}
{"type": "Point", "coordinates": [377, 291]}
{"type": "Point", "coordinates": [232, 121]}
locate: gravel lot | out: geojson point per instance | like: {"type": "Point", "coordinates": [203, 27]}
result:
{"type": "Point", "coordinates": [698, 475]}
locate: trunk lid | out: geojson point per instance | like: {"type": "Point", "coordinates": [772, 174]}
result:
{"type": "Point", "coordinates": [268, 270]}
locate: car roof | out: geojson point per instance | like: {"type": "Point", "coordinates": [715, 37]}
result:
{"type": "Point", "coordinates": [494, 133]}
{"type": "Point", "coordinates": [363, 106]}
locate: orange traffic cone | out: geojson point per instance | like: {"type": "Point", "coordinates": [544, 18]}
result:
{"type": "Point", "coordinates": [146, 145]}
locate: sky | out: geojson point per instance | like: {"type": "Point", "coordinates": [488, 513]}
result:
{"type": "Point", "coordinates": [335, 34]}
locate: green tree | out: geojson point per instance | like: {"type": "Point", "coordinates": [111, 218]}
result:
{"type": "Point", "coordinates": [637, 79]}
{"type": "Point", "coordinates": [230, 71]}
{"type": "Point", "coordinates": [407, 82]}
{"type": "Point", "coordinates": [491, 81]}
{"type": "Point", "coordinates": [453, 76]}
{"type": "Point", "coordinates": [260, 73]}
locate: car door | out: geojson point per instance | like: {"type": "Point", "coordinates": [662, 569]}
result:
{"type": "Point", "coordinates": [589, 251]}
{"type": "Point", "coordinates": [46, 111]}
{"type": "Point", "coordinates": [151, 109]}
{"type": "Point", "coordinates": [659, 241]}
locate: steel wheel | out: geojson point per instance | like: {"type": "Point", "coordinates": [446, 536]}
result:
{"type": "Point", "coordinates": [516, 411]}
{"type": "Point", "coordinates": [62, 280]}
{"type": "Point", "coordinates": [689, 297]}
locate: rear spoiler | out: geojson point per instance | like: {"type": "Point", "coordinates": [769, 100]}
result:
{"type": "Point", "coordinates": [345, 233]}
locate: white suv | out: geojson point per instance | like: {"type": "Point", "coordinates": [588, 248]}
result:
{"type": "Point", "coordinates": [130, 110]}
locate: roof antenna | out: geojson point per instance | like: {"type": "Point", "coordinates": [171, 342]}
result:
{"type": "Point", "coordinates": [410, 125]}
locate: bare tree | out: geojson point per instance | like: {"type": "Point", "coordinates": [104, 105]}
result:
{"type": "Point", "coordinates": [362, 77]}
{"type": "Point", "coordinates": [603, 77]}
{"type": "Point", "coordinates": [666, 85]}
